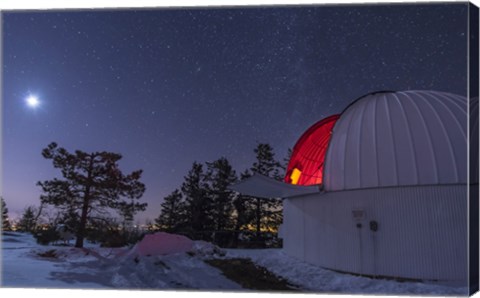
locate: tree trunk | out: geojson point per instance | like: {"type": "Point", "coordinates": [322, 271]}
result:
{"type": "Point", "coordinates": [258, 218]}
{"type": "Point", "coordinates": [40, 209]}
{"type": "Point", "coordinates": [86, 202]}
{"type": "Point", "coordinates": [83, 223]}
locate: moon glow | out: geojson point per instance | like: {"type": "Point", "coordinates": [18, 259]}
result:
{"type": "Point", "coordinates": [32, 101]}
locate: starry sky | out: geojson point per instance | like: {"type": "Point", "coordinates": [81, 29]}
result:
{"type": "Point", "coordinates": [166, 87]}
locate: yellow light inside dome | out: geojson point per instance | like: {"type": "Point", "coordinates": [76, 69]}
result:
{"type": "Point", "coordinates": [295, 176]}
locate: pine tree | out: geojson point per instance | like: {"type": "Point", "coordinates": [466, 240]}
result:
{"type": "Point", "coordinates": [27, 222]}
{"type": "Point", "coordinates": [128, 209]}
{"type": "Point", "coordinates": [92, 182]}
{"type": "Point", "coordinates": [172, 214]}
{"type": "Point", "coordinates": [285, 161]}
{"type": "Point", "coordinates": [265, 163]}
{"type": "Point", "coordinates": [198, 206]}
{"type": "Point", "coordinates": [220, 175]}
{"type": "Point", "coordinates": [4, 213]}
{"type": "Point", "coordinates": [244, 211]}
{"type": "Point", "coordinates": [70, 219]}
{"type": "Point", "coordinates": [268, 212]}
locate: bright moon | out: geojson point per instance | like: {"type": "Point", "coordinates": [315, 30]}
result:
{"type": "Point", "coordinates": [32, 101]}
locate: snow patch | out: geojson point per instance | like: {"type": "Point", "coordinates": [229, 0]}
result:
{"type": "Point", "coordinates": [203, 248]}
{"type": "Point", "coordinates": [311, 278]}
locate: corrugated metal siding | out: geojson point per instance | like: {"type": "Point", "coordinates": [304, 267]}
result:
{"type": "Point", "coordinates": [422, 231]}
{"type": "Point", "coordinates": [425, 230]}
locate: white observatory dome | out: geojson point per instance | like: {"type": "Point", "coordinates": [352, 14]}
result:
{"type": "Point", "coordinates": [399, 138]}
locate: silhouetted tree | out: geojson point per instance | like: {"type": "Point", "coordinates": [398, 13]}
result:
{"type": "Point", "coordinates": [244, 209]}
{"type": "Point", "coordinates": [285, 161]}
{"type": "Point", "coordinates": [4, 213]}
{"type": "Point", "coordinates": [92, 182]}
{"type": "Point", "coordinates": [27, 222]}
{"type": "Point", "coordinates": [198, 206]}
{"type": "Point", "coordinates": [172, 214]}
{"type": "Point", "coordinates": [128, 209]}
{"type": "Point", "coordinates": [70, 218]}
{"type": "Point", "coordinates": [220, 175]}
{"type": "Point", "coordinates": [265, 163]}
{"type": "Point", "coordinates": [267, 210]}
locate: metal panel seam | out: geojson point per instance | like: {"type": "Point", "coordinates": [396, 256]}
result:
{"type": "Point", "coordinates": [375, 141]}
{"type": "Point", "coordinates": [359, 154]}
{"type": "Point", "coordinates": [429, 138]}
{"type": "Point", "coordinates": [451, 113]}
{"type": "Point", "coordinates": [389, 121]}
{"type": "Point", "coordinates": [409, 132]}
{"type": "Point", "coordinates": [445, 133]}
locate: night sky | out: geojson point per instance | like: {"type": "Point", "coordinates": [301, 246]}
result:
{"type": "Point", "coordinates": [166, 87]}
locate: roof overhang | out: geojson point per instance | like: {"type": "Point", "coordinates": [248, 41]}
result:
{"type": "Point", "coordinates": [265, 187]}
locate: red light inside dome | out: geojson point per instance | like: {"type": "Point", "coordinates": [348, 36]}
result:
{"type": "Point", "coordinates": [308, 156]}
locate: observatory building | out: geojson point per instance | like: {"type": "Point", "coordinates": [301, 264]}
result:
{"type": "Point", "coordinates": [382, 188]}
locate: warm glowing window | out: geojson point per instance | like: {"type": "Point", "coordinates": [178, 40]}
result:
{"type": "Point", "coordinates": [295, 176]}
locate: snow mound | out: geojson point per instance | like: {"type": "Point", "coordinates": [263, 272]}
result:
{"type": "Point", "coordinates": [162, 243]}
{"type": "Point", "coordinates": [203, 248]}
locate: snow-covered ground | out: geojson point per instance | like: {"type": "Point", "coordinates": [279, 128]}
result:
{"type": "Point", "coordinates": [120, 268]}
{"type": "Point", "coordinates": [315, 279]}
{"type": "Point", "coordinates": [94, 267]}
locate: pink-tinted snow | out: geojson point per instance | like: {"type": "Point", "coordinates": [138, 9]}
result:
{"type": "Point", "coordinates": [162, 243]}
